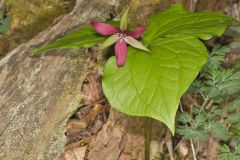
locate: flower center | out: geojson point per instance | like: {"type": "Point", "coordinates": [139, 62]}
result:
{"type": "Point", "coordinates": [122, 35]}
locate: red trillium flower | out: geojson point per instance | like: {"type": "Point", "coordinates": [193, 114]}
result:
{"type": "Point", "coordinates": [121, 37]}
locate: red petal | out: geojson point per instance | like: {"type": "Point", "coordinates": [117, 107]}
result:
{"type": "Point", "coordinates": [104, 29]}
{"type": "Point", "coordinates": [121, 52]}
{"type": "Point", "coordinates": [137, 32]}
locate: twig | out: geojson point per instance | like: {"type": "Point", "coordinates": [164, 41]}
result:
{"type": "Point", "coordinates": [209, 104]}
{"type": "Point", "coordinates": [178, 144]}
{"type": "Point", "coordinates": [168, 141]}
{"type": "Point", "coordinates": [193, 5]}
{"type": "Point", "coordinates": [197, 146]}
{"type": "Point", "coordinates": [2, 2]}
{"type": "Point", "coordinates": [193, 150]}
{"type": "Point", "coordinates": [181, 106]}
{"type": "Point", "coordinates": [204, 104]}
{"type": "Point", "coordinates": [91, 105]}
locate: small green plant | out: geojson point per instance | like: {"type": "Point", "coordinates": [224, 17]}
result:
{"type": "Point", "coordinates": [218, 115]}
{"type": "Point", "coordinates": [225, 153]}
{"type": "Point", "coordinates": [200, 125]}
{"type": "Point", "coordinates": [5, 22]}
{"type": "Point", "coordinates": [215, 84]}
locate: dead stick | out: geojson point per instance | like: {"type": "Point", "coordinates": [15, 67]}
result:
{"type": "Point", "coordinates": [193, 5]}
{"type": "Point", "coordinates": [168, 141]}
{"type": "Point", "coordinates": [193, 150]}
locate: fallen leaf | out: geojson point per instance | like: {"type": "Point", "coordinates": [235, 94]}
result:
{"type": "Point", "coordinates": [92, 89]}
{"type": "Point", "coordinates": [75, 153]}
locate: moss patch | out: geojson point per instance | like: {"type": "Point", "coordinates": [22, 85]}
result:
{"type": "Point", "coordinates": [29, 17]}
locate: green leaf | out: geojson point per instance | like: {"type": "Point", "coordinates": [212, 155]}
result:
{"type": "Point", "coordinates": [151, 84]}
{"type": "Point", "coordinates": [233, 105]}
{"type": "Point", "coordinates": [136, 44]}
{"type": "Point", "coordinates": [220, 83]}
{"type": "Point", "coordinates": [233, 118]}
{"type": "Point", "coordinates": [184, 117]}
{"type": "Point", "coordinates": [109, 41]}
{"type": "Point", "coordinates": [1, 14]}
{"type": "Point", "coordinates": [124, 20]}
{"type": "Point", "coordinates": [217, 56]}
{"type": "Point", "coordinates": [225, 153]}
{"type": "Point", "coordinates": [192, 133]}
{"type": "Point", "coordinates": [177, 22]}
{"type": "Point", "coordinates": [84, 37]}
{"type": "Point", "coordinates": [6, 23]}
{"type": "Point", "coordinates": [217, 130]}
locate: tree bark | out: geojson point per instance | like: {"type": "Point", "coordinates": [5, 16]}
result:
{"type": "Point", "coordinates": [38, 94]}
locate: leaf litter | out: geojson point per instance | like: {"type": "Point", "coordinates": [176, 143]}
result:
{"type": "Point", "coordinates": [90, 117]}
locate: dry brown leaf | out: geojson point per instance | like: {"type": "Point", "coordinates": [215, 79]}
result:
{"type": "Point", "coordinates": [189, 101]}
{"type": "Point", "coordinates": [169, 144]}
{"type": "Point", "coordinates": [89, 125]}
{"type": "Point", "coordinates": [212, 149]}
{"type": "Point", "coordinates": [75, 153]}
{"type": "Point", "coordinates": [92, 89]}
{"type": "Point", "coordinates": [96, 110]}
{"type": "Point", "coordinates": [183, 149]}
{"type": "Point", "coordinates": [75, 123]}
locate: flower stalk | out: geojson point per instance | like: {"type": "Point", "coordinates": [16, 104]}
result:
{"type": "Point", "coordinates": [148, 132]}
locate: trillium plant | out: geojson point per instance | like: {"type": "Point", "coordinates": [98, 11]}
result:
{"type": "Point", "coordinates": [121, 37]}
{"type": "Point", "coordinates": [148, 76]}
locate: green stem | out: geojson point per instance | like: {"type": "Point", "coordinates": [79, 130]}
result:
{"type": "Point", "coordinates": [148, 132]}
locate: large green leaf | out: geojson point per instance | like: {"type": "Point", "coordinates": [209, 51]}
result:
{"type": "Point", "coordinates": [177, 22]}
{"type": "Point", "coordinates": [84, 37]}
{"type": "Point", "coordinates": [151, 84]}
